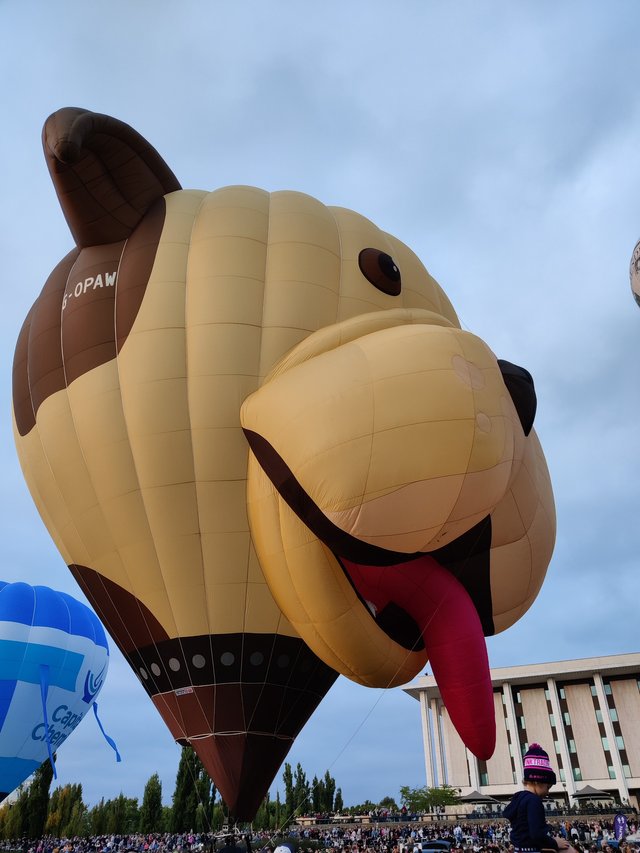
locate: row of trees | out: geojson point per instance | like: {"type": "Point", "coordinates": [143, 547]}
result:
{"type": "Point", "coordinates": [195, 805]}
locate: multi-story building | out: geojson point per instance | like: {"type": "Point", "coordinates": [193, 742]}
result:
{"type": "Point", "coordinates": [585, 713]}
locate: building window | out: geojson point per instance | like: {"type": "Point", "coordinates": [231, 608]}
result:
{"type": "Point", "coordinates": [577, 774]}
{"type": "Point", "coordinates": [572, 745]}
{"type": "Point", "coordinates": [607, 689]}
{"type": "Point", "coordinates": [605, 743]}
{"type": "Point", "coordinates": [619, 741]}
{"type": "Point", "coordinates": [552, 719]}
{"type": "Point", "coordinates": [599, 715]}
{"type": "Point", "coordinates": [518, 697]}
{"type": "Point", "coordinates": [547, 695]}
{"type": "Point", "coordinates": [612, 772]}
{"type": "Point", "coordinates": [561, 693]}
{"type": "Point", "coordinates": [594, 691]}
{"type": "Point", "coordinates": [626, 770]}
{"type": "Point", "coordinates": [484, 778]}
{"type": "Point", "coordinates": [563, 775]}
{"type": "Point", "coordinates": [613, 714]}
{"type": "Point", "coordinates": [567, 718]}
{"type": "Point", "coordinates": [522, 723]}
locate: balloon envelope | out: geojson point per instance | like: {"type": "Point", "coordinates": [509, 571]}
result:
{"type": "Point", "coordinates": [268, 452]}
{"type": "Point", "coordinates": [49, 642]}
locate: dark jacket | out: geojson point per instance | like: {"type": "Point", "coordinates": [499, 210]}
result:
{"type": "Point", "coordinates": [529, 828]}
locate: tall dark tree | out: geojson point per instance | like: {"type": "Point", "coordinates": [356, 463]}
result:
{"type": "Point", "coordinates": [193, 796]}
{"type": "Point", "coordinates": [329, 792]}
{"type": "Point", "coordinates": [289, 807]}
{"type": "Point", "coordinates": [268, 814]}
{"type": "Point", "coordinates": [98, 818]}
{"type": "Point", "coordinates": [317, 794]}
{"type": "Point", "coordinates": [338, 805]}
{"type": "Point", "coordinates": [277, 814]}
{"type": "Point", "coordinates": [38, 800]}
{"type": "Point", "coordinates": [151, 808]}
{"type": "Point", "coordinates": [301, 791]}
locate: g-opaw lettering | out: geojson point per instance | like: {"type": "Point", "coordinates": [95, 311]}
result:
{"type": "Point", "coordinates": [90, 283]}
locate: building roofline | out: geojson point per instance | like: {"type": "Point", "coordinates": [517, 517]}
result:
{"type": "Point", "coordinates": [624, 664]}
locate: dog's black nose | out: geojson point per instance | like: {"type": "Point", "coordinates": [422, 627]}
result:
{"type": "Point", "coordinates": [519, 383]}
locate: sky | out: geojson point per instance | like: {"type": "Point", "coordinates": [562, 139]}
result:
{"type": "Point", "coordinates": [499, 140]}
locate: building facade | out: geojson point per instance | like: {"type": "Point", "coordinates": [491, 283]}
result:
{"type": "Point", "coordinates": [585, 713]}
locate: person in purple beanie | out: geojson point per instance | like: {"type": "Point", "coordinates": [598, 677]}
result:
{"type": "Point", "coordinates": [525, 812]}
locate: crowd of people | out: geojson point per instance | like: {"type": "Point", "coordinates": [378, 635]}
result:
{"type": "Point", "coordinates": [378, 837]}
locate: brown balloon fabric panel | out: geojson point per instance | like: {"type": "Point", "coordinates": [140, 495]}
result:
{"type": "Point", "coordinates": [88, 336]}
{"type": "Point", "coordinates": [38, 370]}
{"type": "Point", "coordinates": [105, 174]}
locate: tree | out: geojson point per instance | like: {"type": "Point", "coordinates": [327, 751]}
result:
{"type": "Point", "coordinates": [98, 818]}
{"type": "Point", "coordinates": [317, 794]}
{"type": "Point", "coordinates": [423, 799]}
{"type": "Point", "coordinates": [62, 810]}
{"type": "Point", "coordinates": [122, 815]}
{"type": "Point", "coordinates": [301, 791]}
{"type": "Point", "coordinates": [78, 821]}
{"type": "Point", "coordinates": [151, 808]}
{"type": "Point", "coordinates": [289, 807]}
{"type": "Point", "coordinates": [338, 805]}
{"type": "Point", "coordinates": [388, 803]}
{"type": "Point", "coordinates": [16, 825]}
{"type": "Point", "coordinates": [194, 794]}
{"type": "Point", "coordinates": [329, 792]}
{"type": "Point", "coordinates": [264, 815]}
{"type": "Point", "coordinates": [38, 800]}
{"type": "Point", "coordinates": [277, 815]}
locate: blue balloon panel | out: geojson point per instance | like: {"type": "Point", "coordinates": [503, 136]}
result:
{"type": "Point", "coordinates": [52, 648]}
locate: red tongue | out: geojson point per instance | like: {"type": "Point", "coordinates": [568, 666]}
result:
{"type": "Point", "coordinates": [452, 635]}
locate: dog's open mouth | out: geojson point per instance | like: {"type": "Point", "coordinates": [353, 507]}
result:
{"type": "Point", "coordinates": [439, 602]}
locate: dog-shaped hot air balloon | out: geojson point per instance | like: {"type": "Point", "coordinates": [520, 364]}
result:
{"type": "Point", "coordinates": [254, 428]}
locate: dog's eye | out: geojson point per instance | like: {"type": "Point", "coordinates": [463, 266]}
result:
{"type": "Point", "coordinates": [381, 270]}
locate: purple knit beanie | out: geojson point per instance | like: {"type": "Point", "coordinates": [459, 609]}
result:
{"type": "Point", "coordinates": [537, 767]}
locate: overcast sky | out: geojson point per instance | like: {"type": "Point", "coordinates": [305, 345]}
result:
{"type": "Point", "coordinates": [500, 139]}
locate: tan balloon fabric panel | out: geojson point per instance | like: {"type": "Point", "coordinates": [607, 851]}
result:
{"type": "Point", "coordinates": [419, 288]}
{"type": "Point", "coordinates": [121, 547]}
{"type": "Point", "coordinates": [313, 590]}
{"type": "Point", "coordinates": [392, 431]}
{"type": "Point", "coordinates": [44, 490]}
{"type": "Point", "coordinates": [523, 536]}
{"type": "Point", "coordinates": [357, 295]}
{"type": "Point", "coordinates": [152, 373]}
{"type": "Point", "coordinates": [302, 276]}
{"type": "Point", "coordinates": [223, 316]}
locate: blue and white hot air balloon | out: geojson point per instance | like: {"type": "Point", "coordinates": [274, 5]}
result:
{"type": "Point", "coordinates": [53, 661]}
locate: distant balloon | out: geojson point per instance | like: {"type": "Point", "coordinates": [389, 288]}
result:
{"type": "Point", "coordinates": [53, 662]}
{"type": "Point", "coordinates": [634, 273]}
{"type": "Point", "coordinates": [254, 428]}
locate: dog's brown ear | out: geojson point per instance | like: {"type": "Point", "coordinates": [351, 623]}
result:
{"type": "Point", "coordinates": [106, 175]}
